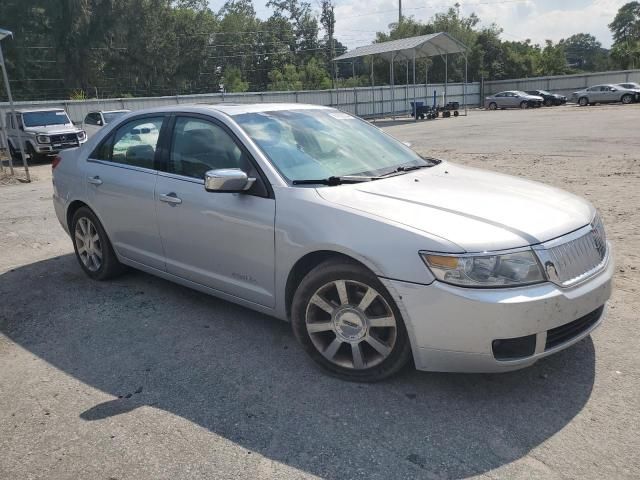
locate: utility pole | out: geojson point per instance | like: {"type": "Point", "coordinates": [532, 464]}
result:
{"type": "Point", "coordinates": [399, 12]}
{"type": "Point", "coordinates": [4, 34]}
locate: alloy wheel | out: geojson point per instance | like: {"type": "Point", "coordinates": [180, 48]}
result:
{"type": "Point", "coordinates": [351, 324]}
{"type": "Point", "coordinates": [88, 244]}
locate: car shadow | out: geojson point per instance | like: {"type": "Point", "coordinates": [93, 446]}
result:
{"type": "Point", "coordinates": [241, 375]}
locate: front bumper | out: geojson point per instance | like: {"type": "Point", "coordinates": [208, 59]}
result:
{"type": "Point", "coordinates": [452, 329]}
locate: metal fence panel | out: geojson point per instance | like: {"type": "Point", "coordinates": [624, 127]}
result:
{"type": "Point", "coordinates": [362, 101]}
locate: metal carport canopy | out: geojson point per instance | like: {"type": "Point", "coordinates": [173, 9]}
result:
{"type": "Point", "coordinates": [424, 46]}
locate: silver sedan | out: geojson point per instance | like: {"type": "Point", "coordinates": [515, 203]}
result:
{"type": "Point", "coordinates": [375, 254]}
{"type": "Point", "coordinates": [512, 99]}
{"type": "Point", "coordinates": [607, 93]}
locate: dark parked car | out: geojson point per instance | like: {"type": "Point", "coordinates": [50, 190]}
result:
{"type": "Point", "coordinates": [550, 99]}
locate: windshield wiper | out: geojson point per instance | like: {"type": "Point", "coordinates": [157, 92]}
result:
{"type": "Point", "coordinates": [408, 168]}
{"type": "Point", "coordinates": [405, 169]}
{"type": "Point", "coordinates": [333, 181]}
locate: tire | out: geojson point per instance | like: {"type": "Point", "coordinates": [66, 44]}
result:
{"type": "Point", "coordinates": [548, 102]}
{"type": "Point", "coordinates": [583, 101]}
{"type": "Point", "coordinates": [92, 246]}
{"type": "Point", "coordinates": [626, 99]}
{"type": "Point", "coordinates": [33, 155]}
{"type": "Point", "coordinates": [343, 342]}
{"type": "Point", "coordinates": [524, 105]}
{"type": "Point", "coordinates": [493, 106]}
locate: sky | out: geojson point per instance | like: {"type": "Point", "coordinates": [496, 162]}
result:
{"type": "Point", "coordinates": [357, 21]}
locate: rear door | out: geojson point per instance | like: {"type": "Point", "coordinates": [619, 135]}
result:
{"type": "Point", "coordinates": [224, 241]}
{"type": "Point", "coordinates": [500, 100]}
{"type": "Point", "coordinates": [121, 178]}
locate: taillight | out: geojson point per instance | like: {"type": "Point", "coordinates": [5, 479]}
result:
{"type": "Point", "coordinates": [56, 160]}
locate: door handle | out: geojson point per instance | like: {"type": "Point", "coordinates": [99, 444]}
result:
{"type": "Point", "coordinates": [94, 180]}
{"type": "Point", "coordinates": [171, 198]}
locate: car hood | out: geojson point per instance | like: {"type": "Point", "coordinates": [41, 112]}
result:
{"type": "Point", "coordinates": [52, 129]}
{"type": "Point", "coordinates": [475, 209]}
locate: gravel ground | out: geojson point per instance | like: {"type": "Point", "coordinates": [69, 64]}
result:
{"type": "Point", "coordinates": [141, 378]}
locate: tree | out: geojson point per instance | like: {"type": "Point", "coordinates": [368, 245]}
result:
{"type": "Point", "coordinates": [625, 28]}
{"type": "Point", "coordinates": [233, 80]}
{"type": "Point", "coordinates": [552, 60]}
{"type": "Point", "coordinates": [287, 78]}
{"type": "Point", "coordinates": [584, 52]}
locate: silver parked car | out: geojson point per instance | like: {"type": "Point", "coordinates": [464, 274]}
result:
{"type": "Point", "coordinates": [632, 86]}
{"type": "Point", "coordinates": [375, 254]}
{"type": "Point", "coordinates": [94, 121]}
{"type": "Point", "coordinates": [512, 99]}
{"type": "Point", "coordinates": [607, 93]}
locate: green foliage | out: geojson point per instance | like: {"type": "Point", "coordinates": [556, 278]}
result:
{"type": "Point", "coordinates": [233, 80]}
{"type": "Point", "coordinates": [78, 95]}
{"type": "Point", "coordinates": [625, 27]}
{"type": "Point", "coordinates": [113, 48]}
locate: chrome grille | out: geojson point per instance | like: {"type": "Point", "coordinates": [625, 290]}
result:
{"type": "Point", "coordinates": [575, 257]}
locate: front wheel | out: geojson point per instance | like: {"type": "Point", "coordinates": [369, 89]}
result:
{"type": "Point", "coordinates": [92, 246]}
{"type": "Point", "coordinates": [524, 105]}
{"type": "Point", "coordinates": [493, 106]}
{"type": "Point", "coordinates": [583, 102]}
{"type": "Point", "coordinates": [348, 323]}
{"type": "Point", "coordinates": [627, 99]}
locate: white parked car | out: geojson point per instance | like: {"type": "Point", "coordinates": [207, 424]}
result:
{"type": "Point", "coordinates": [94, 121]}
{"type": "Point", "coordinates": [375, 254]}
{"type": "Point", "coordinates": [45, 132]}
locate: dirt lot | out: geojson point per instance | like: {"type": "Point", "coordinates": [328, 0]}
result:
{"type": "Point", "coordinates": [140, 378]}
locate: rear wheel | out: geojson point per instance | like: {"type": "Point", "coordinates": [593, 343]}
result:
{"type": "Point", "coordinates": [627, 99]}
{"type": "Point", "coordinates": [583, 101]}
{"type": "Point", "coordinates": [92, 246]}
{"type": "Point", "coordinates": [548, 102]}
{"type": "Point", "coordinates": [493, 106]}
{"type": "Point", "coordinates": [348, 323]}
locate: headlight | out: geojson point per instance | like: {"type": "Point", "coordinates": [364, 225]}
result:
{"type": "Point", "coordinates": [488, 271]}
{"type": "Point", "coordinates": [43, 139]}
{"type": "Point", "coordinates": [82, 135]}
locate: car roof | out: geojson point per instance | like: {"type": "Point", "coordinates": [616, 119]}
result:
{"type": "Point", "coordinates": [29, 110]}
{"type": "Point", "coordinates": [109, 111]}
{"type": "Point", "coordinates": [235, 108]}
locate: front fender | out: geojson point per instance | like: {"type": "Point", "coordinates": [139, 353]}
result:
{"type": "Point", "coordinates": [306, 223]}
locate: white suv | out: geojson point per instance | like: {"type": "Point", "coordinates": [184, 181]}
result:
{"type": "Point", "coordinates": [44, 132]}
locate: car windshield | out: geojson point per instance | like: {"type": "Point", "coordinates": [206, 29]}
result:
{"type": "Point", "coordinates": [319, 143]}
{"type": "Point", "coordinates": [41, 119]}
{"type": "Point", "coordinates": [543, 92]}
{"type": "Point", "coordinates": [111, 116]}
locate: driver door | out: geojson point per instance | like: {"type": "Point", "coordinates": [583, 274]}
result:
{"type": "Point", "coordinates": [224, 241]}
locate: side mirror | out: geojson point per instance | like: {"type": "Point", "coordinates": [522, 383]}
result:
{"type": "Point", "coordinates": [227, 180]}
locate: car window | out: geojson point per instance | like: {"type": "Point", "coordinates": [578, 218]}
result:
{"type": "Point", "coordinates": [133, 144]}
{"type": "Point", "coordinates": [45, 118]}
{"type": "Point", "coordinates": [199, 146]}
{"type": "Point", "coordinates": [92, 119]}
